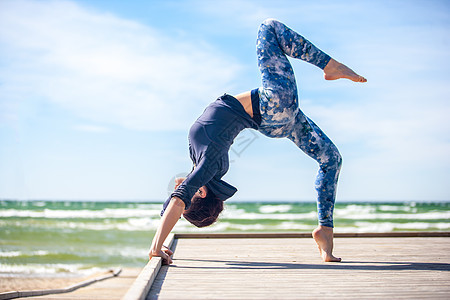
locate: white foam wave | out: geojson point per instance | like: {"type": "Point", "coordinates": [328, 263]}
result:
{"type": "Point", "coordinates": [218, 227]}
{"type": "Point", "coordinates": [131, 224]}
{"type": "Point", "coordinates": [389, 227]}
{"type": "Point", "coordinates": [359, 226]}
{"type": "Point", "coordinates": [257, 216]}
{"type": "Point", "coordinates": [20, 253]}
{"type": "Point", "coordinates": [405, 208]}
{"type": "Point", "coordinates": [130, 252]}
{"type": "Point", "coordinates": [283, 208]}
{"type": "Point", "coordinates": [354, 209]}
{"type": "Point", "coordinates": [240, 214]}
{"type": "Point", "coordinates": [81, 214]}
{"type": "Point", "coordinates": [10, 254]}
{"type": "Point", "coordinates": [377, 216]}
{"type": "Point", "coordinates": [48, 269]}
{"type": "Point", "coordinates": [222, 226]}
{"type": "Point", "coordinates": [294, 226]}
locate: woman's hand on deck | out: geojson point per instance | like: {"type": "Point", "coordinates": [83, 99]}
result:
{"type": "Point", "coordinates": [166, 259]}
{"type": "Point", "coordinates": [171, 216]}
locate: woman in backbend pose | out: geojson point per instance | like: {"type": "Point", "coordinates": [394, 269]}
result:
{"type": "Point", "coordinates": [274, 111]}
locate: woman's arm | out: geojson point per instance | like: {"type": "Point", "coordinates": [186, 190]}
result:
{"type": "Point", "coordinates": [168, 221]}
{"type": "Point", "coordinates": [174, 208]}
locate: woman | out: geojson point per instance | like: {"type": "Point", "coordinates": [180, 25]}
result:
{"type": "Point", "coordinates": [273, 110]}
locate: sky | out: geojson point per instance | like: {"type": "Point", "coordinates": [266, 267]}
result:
{"type": "Point", "coordinates": [97, 97]}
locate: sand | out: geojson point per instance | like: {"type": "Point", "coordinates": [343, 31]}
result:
{"type": "Point", "coordinates": [8, 284]}
{"type": "Point", "coordinates": [27, 282]}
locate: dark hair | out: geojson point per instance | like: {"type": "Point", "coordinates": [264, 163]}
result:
{"type": "Point", "coordinates": [204, 211]}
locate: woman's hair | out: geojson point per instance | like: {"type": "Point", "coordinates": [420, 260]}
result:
{"type": "Point", "coordinates": [204, 211]}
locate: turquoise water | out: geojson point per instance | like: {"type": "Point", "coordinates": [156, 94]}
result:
{"type": "Point", "coordinates": [56, 237]}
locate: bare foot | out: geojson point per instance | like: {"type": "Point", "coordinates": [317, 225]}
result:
{"type": "Point", "coordinates": [335, 70]}
{"type": "Point", "coordinates": [323, 236]}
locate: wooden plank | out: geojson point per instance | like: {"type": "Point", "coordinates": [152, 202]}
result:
{"type": "Point", "coordinates": [144, 281]}
{"type": "Point", "coordinates": [288, 268]}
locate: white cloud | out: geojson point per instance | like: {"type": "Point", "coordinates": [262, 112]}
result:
{"type": "Point", "coordinates": [107, 69]}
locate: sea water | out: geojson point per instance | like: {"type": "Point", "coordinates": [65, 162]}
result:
{"type": "Point", "coordinates": [65, 238]}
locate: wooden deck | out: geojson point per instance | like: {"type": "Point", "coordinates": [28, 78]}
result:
{"type": "Point", "coordinates": [282, 267]}
{"type": "Point", "coordinates": [286, 266]}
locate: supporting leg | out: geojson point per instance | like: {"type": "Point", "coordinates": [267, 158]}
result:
{"type": "Point", "coordinates": [311, 140]}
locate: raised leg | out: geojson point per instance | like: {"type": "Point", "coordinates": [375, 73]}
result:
{"type": "Point", "coordinates": [275, 42]}
{"type": "Point", "coordinates": [279, 99]}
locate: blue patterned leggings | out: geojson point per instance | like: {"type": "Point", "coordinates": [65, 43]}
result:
{"type": "Point", "coordinates": [280, 113]}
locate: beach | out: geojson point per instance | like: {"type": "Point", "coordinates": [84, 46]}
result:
{"type": "Point", "coordinates": [39, 282]}
{"type": "Point", "coordinates": [36, 282]}
{"type": "Point", "coordinates": [8, 284]}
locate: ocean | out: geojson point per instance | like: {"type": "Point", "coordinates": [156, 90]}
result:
{"type": "Point", "coordinates": [68, 238]}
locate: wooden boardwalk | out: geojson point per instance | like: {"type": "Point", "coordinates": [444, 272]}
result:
{"type": "Point", "coordinates": [286, 266]}
{"type": "Point", "coordinates": [264, 267]}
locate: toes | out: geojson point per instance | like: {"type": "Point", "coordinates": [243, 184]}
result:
{"type": "Point", "coordinates": [336, 259]}
{"type": "Point", "coordinates": [331, 258]}
{"type": "Point", "coordinates": [359, 79]}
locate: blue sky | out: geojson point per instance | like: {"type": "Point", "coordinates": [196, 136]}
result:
{"type": "Point", "coordinates": [96, 97]}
